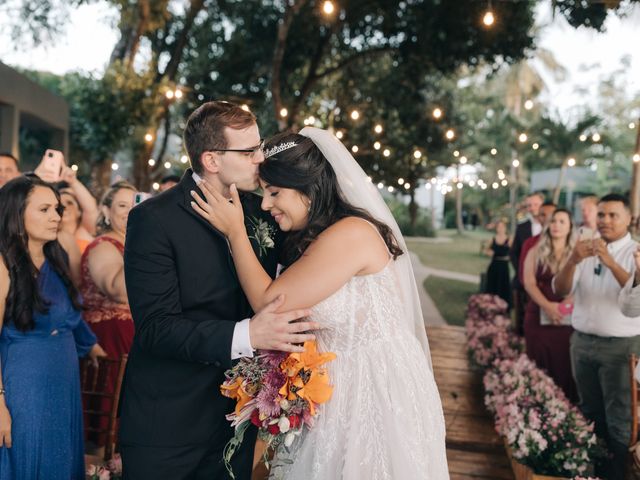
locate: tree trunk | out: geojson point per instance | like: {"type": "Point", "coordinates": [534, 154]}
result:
{"type": "Point", "coordinates": [558, 189]}
{"type": "Point", "coordinates": [100, 177]}
{"type": "Point", "coordinates": [635, 187]}
{"type": "Point", "coordinates": [413, 208]}
{"type": "Point", "coordinates": [459, 224]}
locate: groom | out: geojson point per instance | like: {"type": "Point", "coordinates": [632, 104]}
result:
{"type": "Point", "coordinates": [191, 317]}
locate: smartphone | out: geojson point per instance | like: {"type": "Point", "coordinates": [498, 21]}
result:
{"type": "Point", "coordinates": [51, 165]}
{"type": "Point", "coordinates": [140, 197]}
{"type": "Point", "coordinates": [585, 233]}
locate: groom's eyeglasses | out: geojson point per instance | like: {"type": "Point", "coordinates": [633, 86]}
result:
{"type": "Point", "coordinates": [252, 151]}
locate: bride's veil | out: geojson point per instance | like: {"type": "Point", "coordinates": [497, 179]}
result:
{"type": "Point", "coordinates": [360, 192]}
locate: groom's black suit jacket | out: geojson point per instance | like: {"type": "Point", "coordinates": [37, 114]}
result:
{"type": "Point", "coordinates": [185, 299]}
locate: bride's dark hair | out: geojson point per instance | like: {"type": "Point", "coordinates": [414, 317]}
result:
{"type": "Point", "coordinates": [305, 169]}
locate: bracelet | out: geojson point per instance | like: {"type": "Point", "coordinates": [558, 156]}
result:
{"type": "Point", "coordinates": [2, 391]}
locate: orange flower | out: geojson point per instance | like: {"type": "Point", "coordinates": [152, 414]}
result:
{"type": "Point", "coordinates": [310, 358]}
{"type": "Point", "coordinates": [317, 389]}
{"type": "Point", "coordinates": [236, 391]}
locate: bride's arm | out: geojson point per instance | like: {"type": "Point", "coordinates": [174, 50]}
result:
{"type": "Point", "coordinates": [348, 247]}
{"type": "Point", "coordinates": [343, 250]}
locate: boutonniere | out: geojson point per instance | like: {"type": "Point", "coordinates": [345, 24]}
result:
{"type": "Point", "coordinates": [262, 233]}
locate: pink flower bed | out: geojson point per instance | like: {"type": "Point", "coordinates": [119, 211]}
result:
{"type": "Point", "coordinates": [543, 430]}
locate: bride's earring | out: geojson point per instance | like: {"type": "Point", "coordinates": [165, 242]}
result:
{"type": "Point", "coordinates": [107, 221]}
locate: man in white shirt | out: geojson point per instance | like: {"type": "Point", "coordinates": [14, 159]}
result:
{"type": "Point", "coordinates": [604, 337]}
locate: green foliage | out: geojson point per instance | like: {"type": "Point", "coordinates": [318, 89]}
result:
{"type": "Point", "coordinates": [423, 226]}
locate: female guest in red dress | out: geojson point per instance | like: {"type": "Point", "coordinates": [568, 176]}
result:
{"type": "Point", "coordinates": [102, 267]}
{"type": "Point", "coordinates": [546, 337]}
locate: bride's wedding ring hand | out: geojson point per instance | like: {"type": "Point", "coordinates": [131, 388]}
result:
{"type": "Point", "coordinates": [225, 215]}
{"type": "Point", "coordinates": [270, 330]}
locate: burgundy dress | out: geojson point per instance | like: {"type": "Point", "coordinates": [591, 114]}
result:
{"type": "Point", "coordinates": [548, 345]}
{"type": "Point", "coordinates": [110, 321]}
{"type": "Point", "coordinates": [113, 325]}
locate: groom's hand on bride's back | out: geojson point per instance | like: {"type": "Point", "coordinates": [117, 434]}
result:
{"type": "Point", "coordinates": [270, 330]}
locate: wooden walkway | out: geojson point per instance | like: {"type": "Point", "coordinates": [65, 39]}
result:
{"type": "Point", "coordinates": [474, 450]}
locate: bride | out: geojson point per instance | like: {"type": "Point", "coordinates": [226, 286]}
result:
{"type": "Point", "coordinates": [345, 259]}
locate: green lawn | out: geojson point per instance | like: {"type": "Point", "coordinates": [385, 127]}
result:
{"type": "Point", "coordinates": [450, 297]}
{"type": "Point", "coordinates": [461, 254]}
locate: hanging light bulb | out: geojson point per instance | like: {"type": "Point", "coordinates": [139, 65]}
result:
{"type": "Point", "coordinates": [156, 186]}
{"type": "Point", "coordinates": [417, 154]}
{"type": "Point", "coordinates": [377, 128]}
{"type": "Point", "coordinates": [184, 159]}
{"type": "Point", "coordinates": [284, 112]}
{"type": "Point", "coordinates": [595, 137]}
{"type": "Point", "coordinates": [463, 160]}
{"type": "Point", "coordinates": [522, 137]}
{"type": "Point", "coordinates": [376, 145]}
{"type": "Point", "coordinates": [354, 149]}
{"type": "Point", "coordinates": [494, 151]}
{"type": "Point", "coordinates": [437, 113]}
{"type": "Point", "coordinates": [339, 134]}
{"type": "Point", "coordinates": [148, 137]}
{"type": "Point", "coordinates": [515, 163]}
{"type": "Point", "coordinates": [355, 115]}
{"type": "Point", "coordinates": [74, 168]}
{"type": "Point", "coordinates": [386, 152]}
{"type": "Point", "coordinates": [571, 162]}
{"type": "Point", "coordinates": [328, 7]}
{"type": "Point", "coordinates": [151, 162]}
{"type": "Point", "coordinates": [450, 134]}
{"type": "Point", "coordinates": [489, 18]}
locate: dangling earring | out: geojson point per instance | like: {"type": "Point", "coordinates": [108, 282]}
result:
{"type": "Point", "coordinates": [107, 221]}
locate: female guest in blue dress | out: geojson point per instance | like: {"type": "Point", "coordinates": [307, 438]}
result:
{"type": "Point", "coordinates": [41, 338]}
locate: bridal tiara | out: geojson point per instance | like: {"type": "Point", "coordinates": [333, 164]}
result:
{"type": "Point", "coordinates": [278, 148]}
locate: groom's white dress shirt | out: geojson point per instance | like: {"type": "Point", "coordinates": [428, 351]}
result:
{"type": "Point", "coordinates": [241, 342]}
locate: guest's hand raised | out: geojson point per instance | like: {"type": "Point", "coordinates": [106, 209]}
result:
{"type": "Point", "coordinates": [270, 330]}
{"type": "Point", "coordinates": [600, 249]}
{"type": "Point", "coordinates": [226, 215]}
{"type": "Point", "coordinates": [583, 249]}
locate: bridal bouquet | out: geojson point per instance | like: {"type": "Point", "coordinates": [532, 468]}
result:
{"type": "Point", "coordinates": [279, 393]}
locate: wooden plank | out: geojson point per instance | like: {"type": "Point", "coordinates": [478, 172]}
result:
{"type": "Point", "coordinates": [478, 465]}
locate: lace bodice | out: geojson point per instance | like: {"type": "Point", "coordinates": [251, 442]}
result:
{"type": "Point", "coordinates": [360, 313]}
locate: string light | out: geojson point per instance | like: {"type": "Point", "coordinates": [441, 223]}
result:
{"type": "Point", "coordinates": [459, 185]}
{"type": "Point", "coordinates": [495, 185]}
{"type": "Point", "coordinates": [488, 18]}
{"type": "Point", "coordinates": [184, 159]}
{"type": "Point", "coordinates": [328, 8]}
{"type": "Point", "coordinates": [167, 165]}
{"type": "Point", "coordinates": [450, 134]}
{"type": "Point", "coordinates": [437, 113]}
{"type": "Point", "coordinates": [463, 160]}
{"type": "Point", "coordinates": [354, 149]}
{"type": "Point", "coordinates": [535, 146]}
{"type": "Point", "coordinates": [636, 158]}
{"type": "Point", "coordinates": [114, 166]}
{"type": "Point", "coordinates": [148, 137]}
{"type": "Point", "coordinates": [522, 137]}
{"type": "Point", "coordinates": [583, 137]}
{"type": "Point", "coordinates": [284, 112]}
{"type": "Point", "coordinates": [417, 154]}
{"type": "Point", "coordinates": [595, 137]}
{"type": "Point", "coordinates": [472, 183]}
{"type": "Point", "coordinates": [376, 145]}
{"type": "Point", "coordinates": [456, 153]}
{"type": "Point", "coordinates": [407, 186]}
{"type": "Point", "coordinates": [156, 186]}
{"type": "Point", "coordinates": [504, 182]}
{"type": "Point", "coordinates": [632, 125]}
{"type": "Point", "coordinates": [377, 128]}
{"type": "Point", "coordinates": [339, 134]}
{"type": "Point", "coordinates": [386, 152]}
{"type": "Point", "coordinates": [494, 151]}
{"type": "Point", "coordinates": [516, 163]}
{"type": "Point", "coordinates": [427, 186]}
{"type": "Point", "coordinates": [401, 181]}
{"type": "Point", "coordinates": [380, 185]}
{"type": "Point", "coordinates": [169, 94]}
{"type": "Point", "coordinates": [178, 93]}
{"type": "Point", "coordinates": [151, 162]}
{"type": "Point", "coordinates": [528, 105]}
{"type": "Point", "coordinates": [355, 115]}
{"type": "Point", "coordinates": [74, 168]}
{"type": "Point", "coordinates": [571, 162]}
{"type": "Point", "coordinates": [390, 189]}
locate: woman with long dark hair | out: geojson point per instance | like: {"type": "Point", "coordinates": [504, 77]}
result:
{"type": "Point", "coordinates": [547, 326]}
{"type": "Point", "coordinates": [346, 260]}
{"type": "Point", "coordinates": [41, 338]}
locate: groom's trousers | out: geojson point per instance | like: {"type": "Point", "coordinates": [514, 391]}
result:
{"type": "Point", "coordinates": [195, 462]}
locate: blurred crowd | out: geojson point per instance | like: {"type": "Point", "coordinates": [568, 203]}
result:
{"type": "Point", "coordinates": [575, 298]}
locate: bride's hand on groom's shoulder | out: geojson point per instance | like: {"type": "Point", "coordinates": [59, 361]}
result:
{"type": "Point", "coordinates": [270, 330]}
{"type": "Point", "coordinates": [224, 214]}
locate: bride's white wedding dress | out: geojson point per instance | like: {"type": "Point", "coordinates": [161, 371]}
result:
{"type": "Point", "coordinates": [384, 420]}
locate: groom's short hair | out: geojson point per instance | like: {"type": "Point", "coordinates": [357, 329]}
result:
{"type": "Point", "coordinates": [205, 128]}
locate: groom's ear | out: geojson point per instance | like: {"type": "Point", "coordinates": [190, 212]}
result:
{"type": "Point", "coordinates": [210, 162]}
